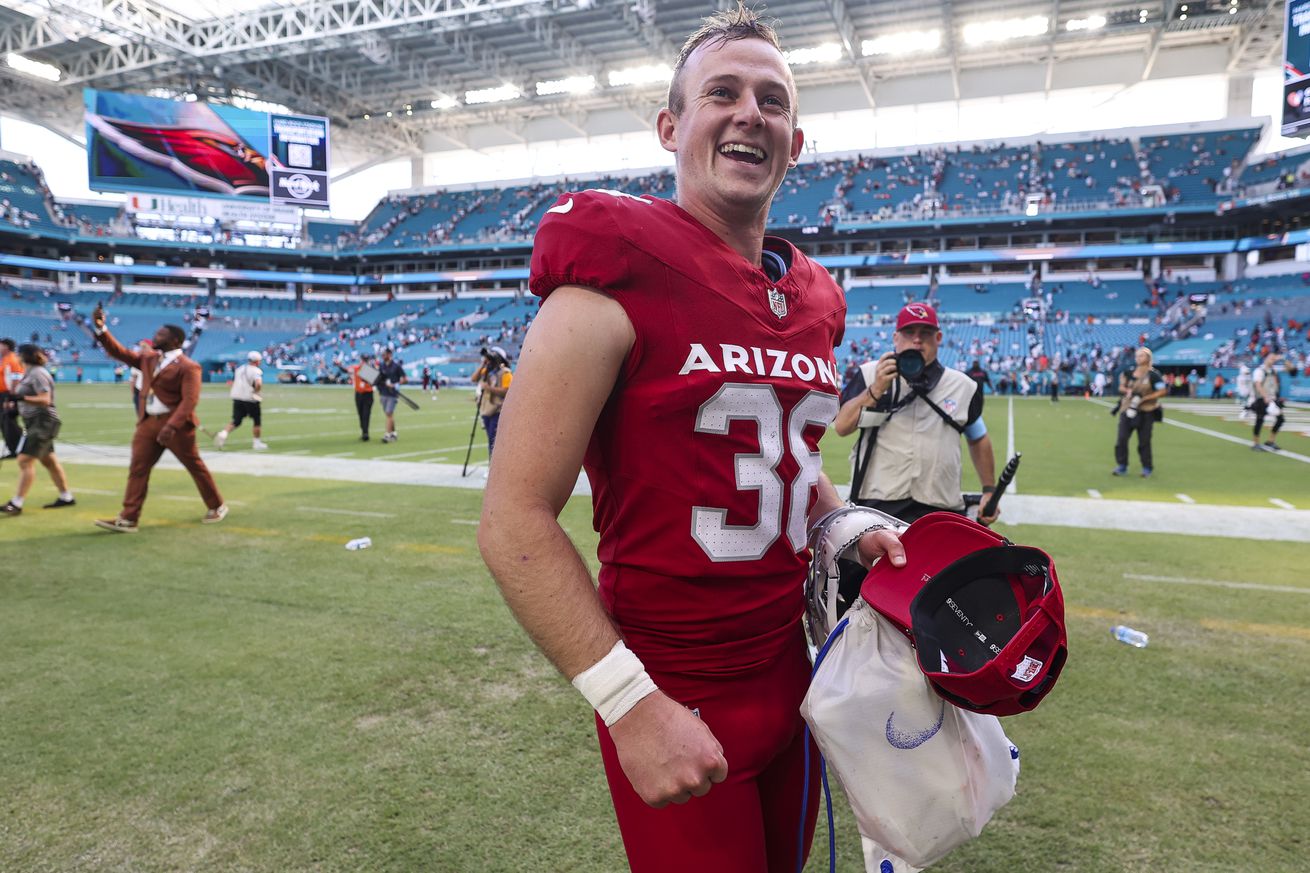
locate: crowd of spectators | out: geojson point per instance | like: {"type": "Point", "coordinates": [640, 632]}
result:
{"type": "Point", "coordinates": [963, 180]}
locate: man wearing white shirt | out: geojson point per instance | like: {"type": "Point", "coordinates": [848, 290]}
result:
{"type": "Point", "coordinates": [247, 382]}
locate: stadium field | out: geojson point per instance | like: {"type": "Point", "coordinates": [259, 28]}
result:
{"type": "Point", "coordinates": [251, 696]}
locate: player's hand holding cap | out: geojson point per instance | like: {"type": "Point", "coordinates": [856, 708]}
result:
{"type": "Point", "coordinates": [986, 615]}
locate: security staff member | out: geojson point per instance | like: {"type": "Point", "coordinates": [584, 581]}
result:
{"type": "Point", "coordinates": [911, 412]}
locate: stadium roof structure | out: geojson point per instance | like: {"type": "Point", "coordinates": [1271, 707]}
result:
{"type": "Point", "coordinates": [407, 77]}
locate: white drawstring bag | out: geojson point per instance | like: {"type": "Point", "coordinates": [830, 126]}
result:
{"type": "Point", "coordinates": [922, 775]}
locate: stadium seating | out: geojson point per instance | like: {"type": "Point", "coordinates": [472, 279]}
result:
{"type": "Point", "coordinates": [1284, 171]}
{"type": "Point", "coordinates": [1191, 166]}
{"type": "Point", "coordinates": [24, 198]}
{"type": "Point", "coordinates": [1098, 173]}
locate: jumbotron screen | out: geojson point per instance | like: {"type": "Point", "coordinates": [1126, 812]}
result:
{"type": "Point", "coordinates": [1296, 69]}
{"type": "Point", "coordinates": [148, 144]}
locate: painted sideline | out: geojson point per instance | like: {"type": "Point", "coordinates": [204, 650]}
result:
{"type": "Point", "coordinates": [1235, 522]}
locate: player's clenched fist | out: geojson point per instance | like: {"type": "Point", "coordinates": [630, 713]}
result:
{"type": "Point", "coordinates": [668, 754]}
{"type": "Point", "coordinates": [98, 317]}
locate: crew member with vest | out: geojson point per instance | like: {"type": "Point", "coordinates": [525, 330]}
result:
{"type": "Point", "coordinates": [492, 378]}
{"type": "Point", "coordinates": [1267, 403]}
{"type": "Point", "coordinates": [910, 412]}
{"type": "Point", "coordinates": [1140, 390]}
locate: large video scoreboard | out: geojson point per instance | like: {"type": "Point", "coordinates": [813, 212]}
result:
{"type": "Point", "coordinates": [136, 143]}
{"type": "Point", "coordinates": [1296, 69]}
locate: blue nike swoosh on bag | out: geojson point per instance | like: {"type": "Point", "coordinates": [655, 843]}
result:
{"type": "Point", "coordinates": [899, 739]}
{"type": "Point", "coordinates": [562, 209]}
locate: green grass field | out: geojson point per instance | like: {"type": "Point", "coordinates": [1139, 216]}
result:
{"type": "Point", "coordinates": [251, 696]}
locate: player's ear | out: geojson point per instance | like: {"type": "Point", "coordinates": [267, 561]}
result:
{"type": "Point", "coordinates": [666, 125]}
{"type": "Point", "coordinates": [797, 142]}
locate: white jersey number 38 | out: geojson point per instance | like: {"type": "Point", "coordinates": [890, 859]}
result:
{"type": "Point", "coordinates": [759, 472]}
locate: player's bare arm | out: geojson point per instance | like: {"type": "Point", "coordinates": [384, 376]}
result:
{"type": "Point", "coordinates": [570, 363]}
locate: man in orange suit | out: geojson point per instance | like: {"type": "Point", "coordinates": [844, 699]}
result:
{"type": "Point", "coordinates": [166, 419]}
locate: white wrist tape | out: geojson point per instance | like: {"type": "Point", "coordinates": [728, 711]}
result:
{"type": "Point", "coordinates": [615, 684]}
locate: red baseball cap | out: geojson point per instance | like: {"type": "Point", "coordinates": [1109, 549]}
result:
{"type": "Point", "coordinates": [986, 616]}
{"type": "Point", "coordinates": [916, 313]}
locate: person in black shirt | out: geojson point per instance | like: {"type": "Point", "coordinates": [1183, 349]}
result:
{"type": "Point", "coordinates": [390, 376]}
{"type": "Point", "coordinates": [1140, 390]}
{"type": "Point", "coordinates": [979, 374]}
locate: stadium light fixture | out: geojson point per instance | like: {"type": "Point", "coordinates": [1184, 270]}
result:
{"type": "Point", "coordinates": [49, 72]}
{"type": "Point", "coordinates": [648, 75]}
{"type": "Point", "coordinates": [247, 100]}
{"type": "Point", "coordinates": [492, 95]}
{"type": "Point", "coordinates": [903, 43]}
{"type": "Point", "coordinates": [1005, 29]}
{"type": "Point", "coordinates": [818, 54]}
{"type": "Point", "coordinates": [170, 94]}
{"type": "Point", "coordinates": [571, 85]}
{"type": "Point", "coordinates": [1091, 22]}
{"type": "Point", "coordinates": [445, 101]}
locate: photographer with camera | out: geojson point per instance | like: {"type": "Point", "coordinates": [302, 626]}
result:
{"type": "Point", "coordinates": [1140, 390]}
{"type": "Point", "coordinates": [911, 411]}
{"type": "Point", "coordinates": [492, 378]}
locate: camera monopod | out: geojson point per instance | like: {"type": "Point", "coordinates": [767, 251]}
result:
{"type": "Point", "coordinates": [473, 433]}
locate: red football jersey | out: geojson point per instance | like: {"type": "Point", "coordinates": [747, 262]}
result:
{"type": "Point", "coordinates": [704, 461]}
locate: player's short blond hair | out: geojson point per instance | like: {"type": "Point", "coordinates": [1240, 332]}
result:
{"type": "Point", "coordinates": [721, 27]}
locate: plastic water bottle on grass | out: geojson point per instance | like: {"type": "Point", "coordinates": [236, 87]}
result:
{"type": "Point", "coordinates": [1134, 638]}
{"type": "Point", "coordinates": [365, 542]}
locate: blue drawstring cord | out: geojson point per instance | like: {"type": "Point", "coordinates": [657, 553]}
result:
{"type": "Point", "coordinates": [823, 771]}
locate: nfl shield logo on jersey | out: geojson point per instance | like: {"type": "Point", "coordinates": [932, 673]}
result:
{"type": "Point", "coordinates": [778, 303]}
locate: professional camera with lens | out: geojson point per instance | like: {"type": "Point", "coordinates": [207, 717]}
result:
{"type": "Point", "coordinates": [911, 366]}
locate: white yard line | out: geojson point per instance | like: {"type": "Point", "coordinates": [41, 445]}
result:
{"type": "Point", "coordinates": [1217, 583]}
{"type": "Point", "coordinates": [355, 512]}
{"type": "Point", "coordinates": [464, 521]}
{"type": "Point", "coordinates": [1009, 446]}
{"type": "Point", "coordinates": [408, 455]}
{"type": "Point", "coordinates": [1184, 498]}
{"type": "Point", "coordinates": [1139, 516]}
{"type": "Point", "coordinates": [1142, 516]}
{"type": "Point", "coordinates": [195, 498]}
{"type": "Point", "coordinates": [340, 455]}
{"type": "Point", "coordinates": [413, 454]}
{"type": "Point", "coordinates": [1280, 503]}
{"type": "Point", "coordinates": [1217, 435]}
{"type": "Point", "coordinates": [1093, 493]}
